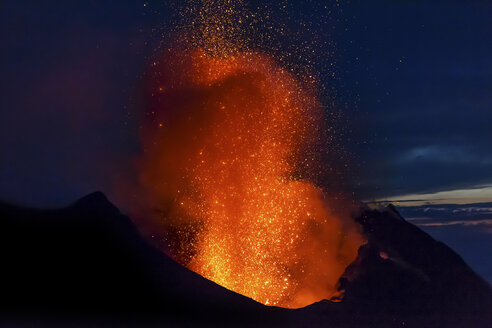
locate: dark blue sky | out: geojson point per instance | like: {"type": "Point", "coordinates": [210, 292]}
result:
{"type": "Point", "coordinates": [424, 77]}
{"type": "Point", "coordinates": [415, 82]}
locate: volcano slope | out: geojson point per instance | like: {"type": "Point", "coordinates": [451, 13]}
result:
{"type": "Point", "coordinates": [87, 265]}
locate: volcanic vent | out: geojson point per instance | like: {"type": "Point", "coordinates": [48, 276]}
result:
{"type": "Point", "coordinates": [229, 150]}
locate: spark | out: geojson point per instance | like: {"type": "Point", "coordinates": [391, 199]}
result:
{"type": "Point", "coordinates": [239, 130]}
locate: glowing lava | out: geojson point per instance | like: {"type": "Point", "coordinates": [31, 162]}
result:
{"type": "Point", "coordinates": [223, 145]}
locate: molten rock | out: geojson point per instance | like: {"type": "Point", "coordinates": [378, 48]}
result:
{"type": "Point", "coordinates": [224, 143]}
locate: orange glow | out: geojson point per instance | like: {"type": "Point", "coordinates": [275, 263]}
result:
{"type": "Point", "coordinates": [223, 146]}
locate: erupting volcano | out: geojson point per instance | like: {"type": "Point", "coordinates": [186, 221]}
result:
{"type": "Point", "coordinates": [229, 150]}
{"type": "Point", "coordinates": [234, 164]}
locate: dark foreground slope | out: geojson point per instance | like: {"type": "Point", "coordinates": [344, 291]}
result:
{"type": "Point", "coordinates": [87, 265]}
{"type": "Point", "coordinates": [403, 274]}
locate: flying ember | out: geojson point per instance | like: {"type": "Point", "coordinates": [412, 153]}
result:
{"type": "Point", "coordinates": [224, 144]}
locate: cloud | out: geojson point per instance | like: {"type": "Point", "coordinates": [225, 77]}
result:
{"type": "Point", "coordinates": [441, 215]}
{"type": "Point", "coordinates": [424, 93]}
{"type": "Point", "coordinates": [466, 228]}
{"type": "Point", "coordinates": [486, 222]}
{"type": "Point", "coordinates": [478, 194]}
{"type": "Point", "coordinates": [444, 154]}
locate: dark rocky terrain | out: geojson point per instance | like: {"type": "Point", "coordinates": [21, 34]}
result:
{"type": "Point", "coordinates": [87, 265]}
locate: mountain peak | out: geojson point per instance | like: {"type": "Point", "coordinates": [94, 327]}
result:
{"type": "Point", "coordinates": [391, 209]}
{"type": "Point", "coordinates": [94, 196]}
{"type": "Point", "coordinates": [95, 202]}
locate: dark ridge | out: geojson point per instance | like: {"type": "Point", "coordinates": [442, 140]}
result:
{"type": "Point", "coordinates": [96, 202]}
{"type": "Point", "coordinates": [88, 265]}
{"type": "Point", "coordinates": [404, 272]}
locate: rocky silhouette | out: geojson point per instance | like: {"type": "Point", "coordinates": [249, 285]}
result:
{"type": "Point", "coordinates": [88, 265]}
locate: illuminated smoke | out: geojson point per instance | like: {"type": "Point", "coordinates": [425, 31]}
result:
{"type": "Point", "coordinates": [224, 146]}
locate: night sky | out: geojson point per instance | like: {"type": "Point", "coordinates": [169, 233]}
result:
{"type": "Point", "coordinates": [413, 79]}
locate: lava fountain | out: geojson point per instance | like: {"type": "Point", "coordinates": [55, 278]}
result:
{"type": "Point", "coordinates": [225, 144]}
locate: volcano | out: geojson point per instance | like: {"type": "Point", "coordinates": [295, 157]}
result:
{"type": "Point", "coordinates": [87, 264]}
